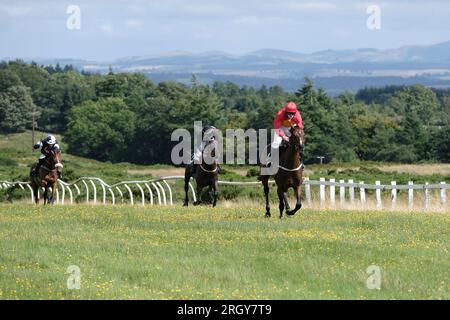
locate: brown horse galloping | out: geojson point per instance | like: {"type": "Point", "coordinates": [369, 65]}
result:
{"type": "Point", "coordinates": [289, 174]}
{"type": "Point", "coordinates": [47, 176]}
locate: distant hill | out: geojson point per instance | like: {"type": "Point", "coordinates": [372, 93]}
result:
{"type": "Point", "coordinates": [428, 65]}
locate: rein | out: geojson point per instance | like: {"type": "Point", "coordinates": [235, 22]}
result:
{"type": "Point", "coordinates": [51, 163]}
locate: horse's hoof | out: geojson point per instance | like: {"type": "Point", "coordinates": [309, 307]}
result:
{"type": "Point", "coordinates": [267, 215]}
{"type": "Point", "coordinates": [289, 213]}
{"type": "Point", "coordinates": [185, 204]}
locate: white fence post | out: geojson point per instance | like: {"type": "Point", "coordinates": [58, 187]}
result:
{"type": "Point", "coordinates": [393, 194]}
{"type": "Point", "coordinates": [77, 188]}
{"type": "Point", "coordinates": [341, 193]}
{"type": "Point", "coordinates": [32, 195]}
{"type": "Point", "coordinates": [170, 192]}
{"type": "Point", "coordinates": [332, 192]}
{"type": "Point", "coordinates": [70, 194]}
{"type": "Point", "coordinates": [410, 195]}
{"type": "Point", "coordinates": [150, 192]}
{"type": "Point", "coordinates": [193, 192]}
{"type": "Point", "coordinates": [322, 192]}
{"type": "Point", "coordinates": [442, 197]}
{"type": "Point", "coordinates": [362, 194]}
{"type": "Point", "coordinates": [104, 195]}
{"type": "Point", "coordinates": [157, 192]}
{"type": "Point", "coordinates": [351, 192]}
{"type": "Point", "coordinates": [113, 198]}
{"type": "Point", "coordinates": [308, 192]}
{"type": "Point", "coordinates": [130, 192]}
{"type": "Point", "coordinates": [95, 191]}
{"type": "Point", "coordinates": [87, 190]}
{"type": "Point", "coordinates": [163, 192]}
{"type": "Point", "coordinates": [142, 193]}
{"type": "Point", "coordinates": [378, 194]}
{"type": "Point", "coordinates": [63, 195]}
{"type": "Point", "coordinates": [120, 192]}
{"type": "Point", "coordinates": [426, 201]}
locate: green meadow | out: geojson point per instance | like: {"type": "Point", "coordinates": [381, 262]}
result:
{"type": "Point", "coordinates": [126, 252]}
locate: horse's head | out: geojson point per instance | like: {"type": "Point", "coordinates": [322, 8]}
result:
{"type": "Point", "coordinates": [55, 156]}
{"type": "Point", "coordinates": [210, 154]}
{"type": "Point", "coordinates": [297, 138]}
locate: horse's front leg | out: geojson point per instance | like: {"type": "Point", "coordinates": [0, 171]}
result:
{"type": "Point", "coordinates": [54, 188]}
{"type": "Point", "coordinates": [35, 194]}
{"type": "Point", "coordinates": [298, 204]}
{"type": "Point", "coordinates": [45, 194]}
{"type": "Point", "coordinates": [280, 193]}
{"type": "Point", "coordinates": [216, 192]}
{"type": "Point", "coordinates": [286, 202]}
{"type": "Point", "coordinates": [187, 177]}
{"type": "Point", "coordinates": [265, 183]}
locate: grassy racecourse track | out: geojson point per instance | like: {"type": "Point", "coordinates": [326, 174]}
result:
{"type": "Point", "coordinates": [226, 253]}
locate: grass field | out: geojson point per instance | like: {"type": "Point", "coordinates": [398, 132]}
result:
{"type": "Point", "coordinates": [223, 253]}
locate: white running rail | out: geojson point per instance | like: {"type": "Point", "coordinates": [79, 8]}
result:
{"type": "Point", "coordinates": [161, 186]}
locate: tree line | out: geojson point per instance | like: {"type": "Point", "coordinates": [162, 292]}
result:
{"type": "Point", "coordinates": [126, 117]}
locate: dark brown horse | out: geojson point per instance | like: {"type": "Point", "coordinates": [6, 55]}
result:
{"type": "Point", "coordinates": [47, 176]}
{"type": "Point", "coordinates": [289, 174]}
{"type": "Point", "coordinates": [207, 175]}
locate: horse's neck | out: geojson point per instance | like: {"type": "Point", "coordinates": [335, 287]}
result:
{"type": "Point", "coordinates": [210, 165]}
{"type": "Point", "coordinates": [290, 158]}
{"type": "Point", "coordinates": [50, 163]}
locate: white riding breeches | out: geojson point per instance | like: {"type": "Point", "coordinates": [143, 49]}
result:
{"type": "Point", "coordinates": [198, 152]}
{"type": "Point", "coordinates": [277, 139]}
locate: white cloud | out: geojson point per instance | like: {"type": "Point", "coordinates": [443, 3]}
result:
{"type": "Point", "coordinates": [133, 23]}
{"type": "Point", "coordinates": [310, 6]}
{"type": "Point", "coordinates": [107, 28]}
{"type": "Point", "coordinates": [258, 20]}
{"type": "Point", "coordinates": [341, 32]}
{"type": "Point", "coordinates": [203, 35]}
{"type": "Point", "coordinates": [16, 11]}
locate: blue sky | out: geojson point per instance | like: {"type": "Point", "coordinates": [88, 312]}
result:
{"type": "Point", "coordinates": [115, 28]}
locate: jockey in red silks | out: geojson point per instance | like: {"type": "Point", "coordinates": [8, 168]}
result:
{"type": "Point", "coordinates": [285, 118]}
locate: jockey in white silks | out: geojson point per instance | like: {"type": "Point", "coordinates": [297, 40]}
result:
{"type": "Point", "coordinates": [196, 157]}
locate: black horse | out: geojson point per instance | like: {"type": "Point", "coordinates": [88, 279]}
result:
{"type": "Point", "coordinates": [206, 175]}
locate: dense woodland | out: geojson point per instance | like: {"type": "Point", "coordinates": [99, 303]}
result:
{"type": "Point", "coordinates": [126, 117]}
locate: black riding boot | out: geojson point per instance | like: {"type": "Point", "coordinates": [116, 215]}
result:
{"type": "Point", "coordinates": [36, 169]}
{"type": "Point", "coordinates": [192, 168]}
